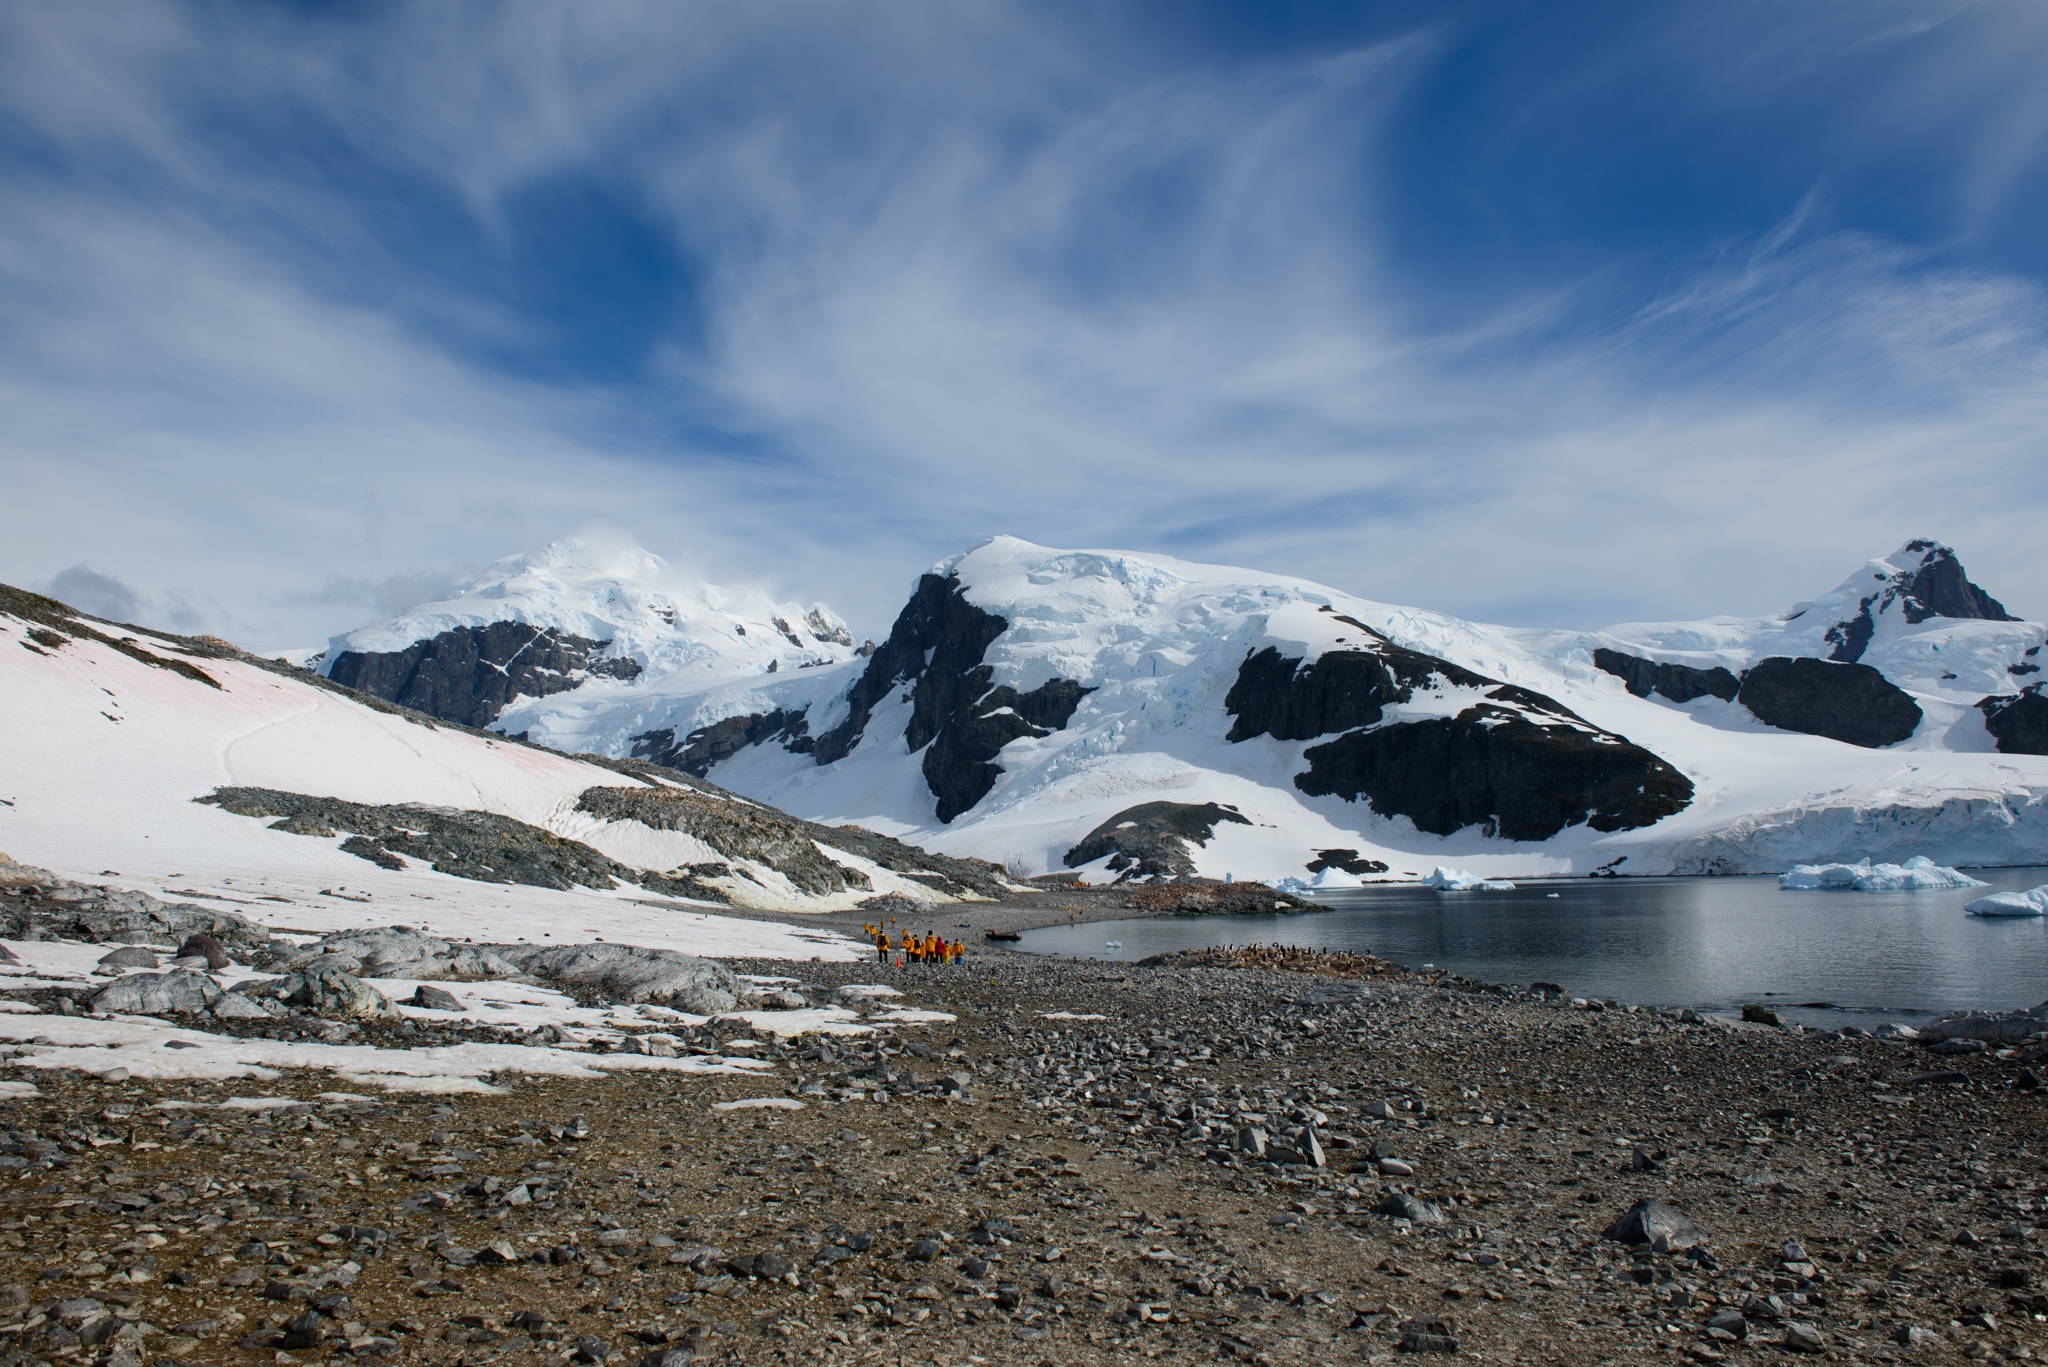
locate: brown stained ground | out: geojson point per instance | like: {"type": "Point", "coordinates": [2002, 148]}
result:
{"type": "Point", "coordinates": [1916, 1203]}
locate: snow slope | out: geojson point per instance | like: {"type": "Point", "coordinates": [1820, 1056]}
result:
{"type": "Point", "coordinates": [1158, 643]}
{"type": "Point", "coordinates": [110, 734]}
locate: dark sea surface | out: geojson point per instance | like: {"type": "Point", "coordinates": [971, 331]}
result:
{"type": "Point", "coordinates": [1711, 943]}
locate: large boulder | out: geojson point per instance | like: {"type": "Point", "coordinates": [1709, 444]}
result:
{"type": "Point", "coordinates": [398, 952]}
{"type": "Point", "coordinates": [158, 994]}
{"type": "Point", "coordinates": [326, 992]}
{"type": "Point", "coordinates": [630, 973]}
{"type": "Point", "coordinates": [1992, 1027]}
{"type": "Point", "coordinates": [1662, 1227]}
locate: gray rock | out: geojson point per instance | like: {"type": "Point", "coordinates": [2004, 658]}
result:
{"type": "Point", "coordinates": [1761, 1015]}
{"type": "Point", "coordinates": [1913, 1336]}
{"type": "Point", "coordinates": [1403, 1206]}
{"type": "Point", "coordinates": [631, 973]}
{"type": "Point", "coordinates": [240, 1006]}
{"type": "Point", "coordinates": [401, 952]}
{"type": "Point", "coordinates": [129, 956]}
{"type": "Point", "coordinates": [1730, 1322]}
{"type": "Point", "coordinates": [436, 999]}
{"type": "Point", "coordinates": [1804, 1338]}
{"type": "Point", "coordinates": [158, 994]}
{"type": "Point", "coordinates": [1656, 1224]}
{"type": "Point", "coordinates": [327, 992]}
{"type": "Point", "coordinates": [1990, 1027]}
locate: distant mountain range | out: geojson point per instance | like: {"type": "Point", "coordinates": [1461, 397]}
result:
{"type": "Point", "coordinates": [1134, 715]}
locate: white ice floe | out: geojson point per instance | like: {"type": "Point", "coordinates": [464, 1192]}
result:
{"type": "Point", "coordinates": [2033, 902]}
{"type": "Point", "coordinates": [760, 1103]}
{"type": "Point", "coordinates": [1918, 874]}
{"type": "Point", "coordinates": [1458, 880]}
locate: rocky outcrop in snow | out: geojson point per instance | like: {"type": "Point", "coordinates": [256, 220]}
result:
{"type": "Point", "coordinates": [1846, 702]}
{"type": "Point", "coordinates": [958, 718]}
{"type": "Point", "coordinates": [468, 674]}
{"type": "Point", "coordinates": [1679, 683]}
{"type": "Point", "coordinates": [1151, 840]}
{"type": "Point", "coordinates": [1925, 580]}
{"type": "Point", "coordinates": [2019, 723]}
{"type": "Point", "coordinates": [630, 973]}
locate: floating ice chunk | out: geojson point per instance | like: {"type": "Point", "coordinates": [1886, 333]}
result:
{"type": "Point", "coordinates": [2031, 903]}
{"type": "Point", "coordinates": [1918, 874]}
{"type": "Point", "coordinates": [1457, 880]}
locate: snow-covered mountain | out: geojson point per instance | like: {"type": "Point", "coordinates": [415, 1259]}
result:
{"type": "Point", "coordinates": [580, 615]}
{"type": "Point", "coordinates": [1117, 712]}
{"type": "Point", "coordinates": [190, 769]}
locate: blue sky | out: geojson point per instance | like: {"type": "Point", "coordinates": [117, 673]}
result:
{"type": "Point", "coordinates": [1541, 314]}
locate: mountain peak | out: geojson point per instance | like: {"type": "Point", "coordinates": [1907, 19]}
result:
{"type": "Point", "coordinates": [1921, 580]}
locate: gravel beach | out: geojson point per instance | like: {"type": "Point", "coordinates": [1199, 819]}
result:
{"type": "Point", "coordinates": [1090, 1164]}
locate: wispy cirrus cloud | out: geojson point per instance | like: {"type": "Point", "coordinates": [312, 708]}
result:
{"type": "Point", "coordinates": [300, 313]}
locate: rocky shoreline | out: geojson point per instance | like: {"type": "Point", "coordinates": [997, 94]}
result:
{"type": "Point", "coordinates": [1277, 1158]}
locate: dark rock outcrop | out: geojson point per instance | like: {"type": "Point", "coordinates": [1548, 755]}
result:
{"type": "Point", "coordinates": [1846, 702]}
{"type": "Point", "coordinates": [1514, 762]}
{"type": "Point", "coordinates": [1345, 860]}
{"type": "Point", "coordinates": [2019, 723]}
{"type": "Point", "coordinates": [737, 830]}
{"type": "Point", "coordinates": [707, 746]}
{"type": "Point", "coordinates": [469, 674]}
{"type": "Point", "coordinates": [1679, 683]}
{"type": "Point", "coordinates": [1277, 695]}
{"type": "Point", "coordinates": [1151, 839]}
{"type": "Point", "coordinates": [1499, 769]}
{"type": "Point", "coordinates": [1935, 587]}
{"type": "Point", "coordinates": [46, 907]}
{"type": "Point", "coordinates": [937, 645]}
{"type": "Point", "coordinates": [482, 846]}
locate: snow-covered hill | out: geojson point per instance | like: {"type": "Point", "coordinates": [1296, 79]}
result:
{"type": "Point", "coordinates": [190, 770]}
{"type": "Point", "coordinates": [582, 616]}
{"type": "Point", "coordinates": [1131, 712]}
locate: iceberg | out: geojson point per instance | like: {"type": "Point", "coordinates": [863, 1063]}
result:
{"type": "Point", "coordinates": [1918, 874]}
{"type": "Point", "coordinates": [1457, 880]}
{"type": "Point", "coordinates": [2031, 903]}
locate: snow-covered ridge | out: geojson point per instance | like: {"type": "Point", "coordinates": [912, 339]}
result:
{"type": "Point", "coordinates": [669, 626]}
{"type": "Point", "coordinates": [167, 759]}
{"type": "Point", "coordinates": [1028, 694]}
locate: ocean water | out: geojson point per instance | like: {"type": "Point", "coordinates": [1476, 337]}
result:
{"type": "Point", "coordinates": [1823, 958]}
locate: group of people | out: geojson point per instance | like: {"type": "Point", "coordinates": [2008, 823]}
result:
{"type": "Point", "coordinates": [929, 948]}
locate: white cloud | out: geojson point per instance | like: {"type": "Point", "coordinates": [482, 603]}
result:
{"type": "Point", "coordinates": [961, 270]}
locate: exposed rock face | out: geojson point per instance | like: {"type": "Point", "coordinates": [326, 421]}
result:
{"type": "Point", "coordinates": [1276, 695]}
{"type": "Point", "coordinates": [1513, 762]}
{"type": "Point", "coordinates": [709, 745]}
{"type": "Point", "coordinates": [2019, 724]}
{"type": "Point", "coordinates": [158, 994]}
{"type": "Point", "coordinates": [468, 674]}
{"type": "Point", "coordinates": [1846, 702]}
{"type": "Point", "coordinates": [630, 973]}
{"type": "Point", "coordinates": [1501, 771]}
{"type": "Point", "coordinates": [736, 829]}
{"type": "Point", "coordinates": [938, 644]}
{"type": "Point", "coordinates": [475, 845]}
{"type": "Point", "coordinates": [1346, 860]}
{"type": "Point", "coordinates": [328, 992]}
{"type": "Point", "coordinates": [398, 952]}
{"type": "Point", "coordinates": [1935, 587]}
{"type": "Point", "coordinates": [1151, 839]}
{"type": "Point", "coordinates": [59, 909]}
{"type": "Point", "coordinates": [1679, 683]}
